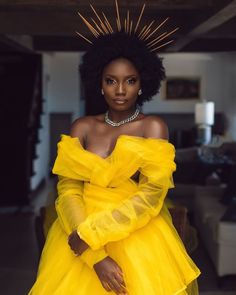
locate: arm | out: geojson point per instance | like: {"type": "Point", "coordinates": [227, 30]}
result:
{"type": "Point", "coordinates": [70, 206]}
{"type": "Point", "coordinates": [71, 212]}
{"type": "Point", "coordinates": [136, 211]}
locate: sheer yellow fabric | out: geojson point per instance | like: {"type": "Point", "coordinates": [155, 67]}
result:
{"type": "Point", "coordinates": [69, 205]}
{"type": "Point", "coordinates": [118, 217]}
{"type": "Point", "coordinates": [137, 210]}
{"type": "Point", "coordinates": [71, 212]}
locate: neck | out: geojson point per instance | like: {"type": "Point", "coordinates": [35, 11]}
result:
{"type": "Point", "coordinates": [117, 116]}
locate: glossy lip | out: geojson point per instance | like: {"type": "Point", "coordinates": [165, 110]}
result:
{"type": "Point", "coordinates": [119, 100]}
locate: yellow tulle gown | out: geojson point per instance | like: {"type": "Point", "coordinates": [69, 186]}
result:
{"type": "Point", "coordinates": [118, 217]}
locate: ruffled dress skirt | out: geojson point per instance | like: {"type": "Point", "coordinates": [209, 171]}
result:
{"type": "Point", "coordinates": [152, 257]}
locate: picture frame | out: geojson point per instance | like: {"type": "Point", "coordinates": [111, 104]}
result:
{"type": "Point", "coordinates": [182, 88]}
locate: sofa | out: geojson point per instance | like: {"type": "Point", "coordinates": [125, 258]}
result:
{"type": "Point", "coordinates": [216, 232]}
{"type": "Point", "coordinates": [206, 184]}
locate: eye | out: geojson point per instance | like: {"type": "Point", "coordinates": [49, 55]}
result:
{"type": "Point", "coordinates": [132, 81]}
{"type": "Point", "coordinates": [110, 81]}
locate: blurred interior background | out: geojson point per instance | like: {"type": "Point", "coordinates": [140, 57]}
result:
{"type": "Point", "coordinates": [41, 94]}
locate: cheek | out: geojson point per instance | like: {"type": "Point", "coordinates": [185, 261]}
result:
{"type": "Point", "coordinates": [136, 87]}
{"type": "Point", "coordinates": [107, 90]}
{"type": "Point", "coordinates": [134, 90]}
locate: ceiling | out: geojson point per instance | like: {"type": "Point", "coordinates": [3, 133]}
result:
{"type": "Point", "coordinates": [42, 25]}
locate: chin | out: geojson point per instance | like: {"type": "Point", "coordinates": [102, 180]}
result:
{"type": "Point", "coordinates": [121, 106]}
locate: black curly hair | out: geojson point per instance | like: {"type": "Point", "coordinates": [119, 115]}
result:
{"type": "Point", "coordinates": [110, 47]}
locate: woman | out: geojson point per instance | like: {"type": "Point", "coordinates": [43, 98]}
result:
{"type": "Point", "coordinates": [114, 232]}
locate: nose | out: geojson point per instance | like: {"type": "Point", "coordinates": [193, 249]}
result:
{"type": "Point", "coordinates": [120, 90]}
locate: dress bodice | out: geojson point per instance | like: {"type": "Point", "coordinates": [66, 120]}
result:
{"type": "Point", "coordinates": [131, 154]}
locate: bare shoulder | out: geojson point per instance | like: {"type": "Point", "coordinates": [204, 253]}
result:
{"type": "Point", "coordinates": [155, 127]}
{"type": "Point", "coordinates": [81, 126]}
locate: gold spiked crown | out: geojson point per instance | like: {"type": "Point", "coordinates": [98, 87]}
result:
{"type": "Point", "coordinates": [148, 33]}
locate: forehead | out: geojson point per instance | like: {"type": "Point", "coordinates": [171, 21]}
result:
{"type": "Point", "coordinates": [120, 66]}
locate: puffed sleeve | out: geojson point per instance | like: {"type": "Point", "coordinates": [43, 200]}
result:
{"type": "Point", "coordinates": [71, 212]}
{"type": "Point", "coordinates": [137, 210]}
{"type": "Point", "coordinates": [69, 204]}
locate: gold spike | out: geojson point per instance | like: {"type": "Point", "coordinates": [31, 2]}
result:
{"type": "Point", "coordinates": [147, 30]}
{"type": "Point", "coordinates": [170, 33]}
{"type": "Point", "coordinates": [157, 38]}
{"type": "Point", "coordinates": [139, 18]}
{"type": "Point", "coordinates": [95, 12]}
{"type": "Point", "coordinates": [131, 26]}
{"type": "Point", "coordinates": [90, 27]}
{"type": "Point", "coordinates": [84, 37]}
{"type": "Point", "coordinates": [97, 26]}
{"type": "Point", "coordinates": [118, 16]}
{"type": "Point", "coordinates": [127, 28]}
{"type": "Point", "coordinates": [143, 29]}
{"type": "Point", "coordinates": [154, 49]}
{"type": "Point", "coordinates": [104, 28]}
{"type": "Point", "coordinates": [117, 23]}
{"type": "Point", "coordinates": [109, 29]}
{"type": "Point", "coordinates": [98, 17]}
{"type": "Point", "coordinates": [160, 25]}
{"type": "Point", "coordinates": [144, 34]}
{"type": "Point", "coordinates": [108, 24]}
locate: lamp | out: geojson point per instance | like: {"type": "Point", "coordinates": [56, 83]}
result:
{"type": "Point", "coordinates": [204, 119]}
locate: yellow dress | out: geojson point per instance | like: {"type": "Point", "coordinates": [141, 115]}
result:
{"type": "Point", "coordinates": [118, 217]}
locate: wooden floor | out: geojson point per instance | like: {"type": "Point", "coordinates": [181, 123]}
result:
{"type": "Point", "coordinates": [19, 253]}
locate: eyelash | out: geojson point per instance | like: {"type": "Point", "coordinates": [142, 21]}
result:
{"type": "Point", "coordinates": [110, 81]}
{"type": "Point", "coordinates": [130, 81]}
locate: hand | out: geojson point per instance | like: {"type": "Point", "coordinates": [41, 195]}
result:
{"type": "Point", "coordinates": [77, 245]}
{"type": "Point", "coordinates": [110, 275]}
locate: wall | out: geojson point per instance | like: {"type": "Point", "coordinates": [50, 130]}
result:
{"type": "Point", "coordinates": [61, 94]}
{"type": "Point", "coordinates": [229, 93]}
{"type": "Point", "coordinates": [206, 66]}
{"type": "Point", "coordinates": [217, 72]}
{"type": "Point", "coordinates": [63, 83]}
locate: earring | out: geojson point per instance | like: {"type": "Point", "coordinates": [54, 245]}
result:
{"type": "Point", "coordinates": [102, 91]}
{"type": "Point", "coordinates": [140, 92]}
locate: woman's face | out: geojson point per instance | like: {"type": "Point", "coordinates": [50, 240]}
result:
{"type": "Point", "coordinates": [120, 83]}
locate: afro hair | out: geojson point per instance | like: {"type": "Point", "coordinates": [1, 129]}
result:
{"type": "Point", "coordinates": [121, 45]}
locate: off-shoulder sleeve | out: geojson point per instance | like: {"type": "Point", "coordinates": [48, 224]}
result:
{"type": "Point", "coordinates": [136, 211]}
{"type": "Point", "coordinates": [70, 206]}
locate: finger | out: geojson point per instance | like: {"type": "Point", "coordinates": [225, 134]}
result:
{"type": "Point", "coordinates": [106, 286]}
{"type": "Point", "coordinates": [119, 278]}
{"type": "Point", "coordinates": [115, 286]}
{"type": "Point", "coordinates": [122, 286]}
{"type": "Point", "coordinates": [118, 268]}
{"type": "Point", "coordinates": [119, 271]}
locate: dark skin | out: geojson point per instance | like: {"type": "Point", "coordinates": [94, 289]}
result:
{"type": "Point", "coordinates": [120, 84]}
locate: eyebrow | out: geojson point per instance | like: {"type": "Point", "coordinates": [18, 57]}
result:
{"type": "Point", "coordinates": [129, 76]}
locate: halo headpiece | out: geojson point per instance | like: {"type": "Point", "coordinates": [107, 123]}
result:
{"type": "Point", "coordinates": [148, 33]}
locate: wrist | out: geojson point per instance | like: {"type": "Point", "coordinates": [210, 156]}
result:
{"type": "Point", "coordinates": [83, 246]}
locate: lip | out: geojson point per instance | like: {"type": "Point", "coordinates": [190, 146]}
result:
{"type": "Point", "coordinates": [119, 100]}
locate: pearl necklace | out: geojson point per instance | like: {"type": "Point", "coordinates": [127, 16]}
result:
{"type": "Point", "coordinates": [117, 124]}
